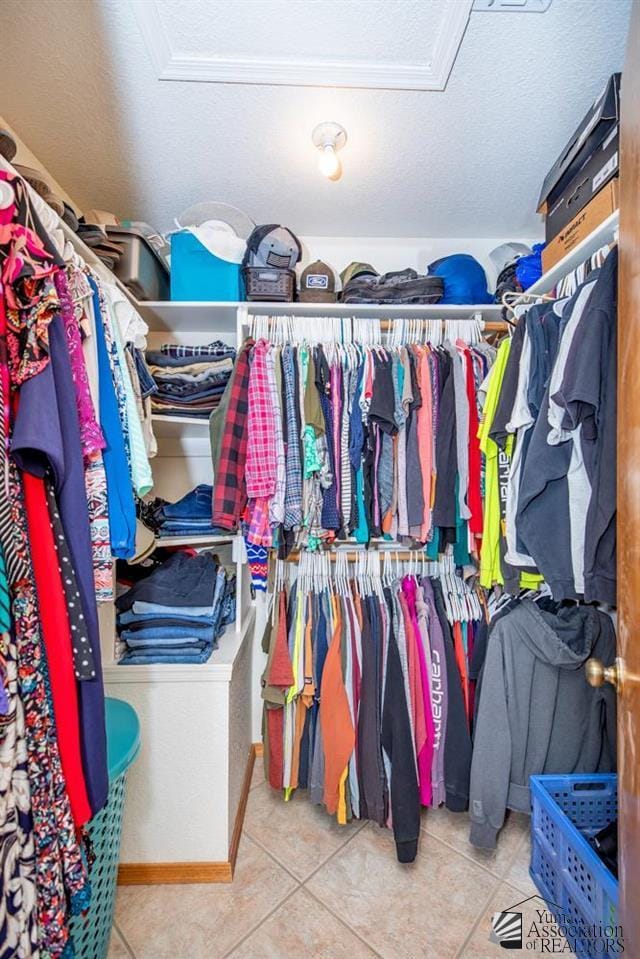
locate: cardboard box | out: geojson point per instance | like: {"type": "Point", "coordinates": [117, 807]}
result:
{"type": "Point", "coordinates": [595, 127]}
{"type": "Point", "coordinates": [595, 212]}
{"type": "Point", "coordinates": [564, 205]}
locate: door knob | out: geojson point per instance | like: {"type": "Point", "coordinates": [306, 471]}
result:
{"type": "Point", "coordinates": [598, 674]}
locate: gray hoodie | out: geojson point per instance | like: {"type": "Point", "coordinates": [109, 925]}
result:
{"type": "Point", "coordinates": [537, 712]}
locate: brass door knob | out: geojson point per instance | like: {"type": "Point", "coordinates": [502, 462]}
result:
{"type": "Point", "coordinates": [598, 674]}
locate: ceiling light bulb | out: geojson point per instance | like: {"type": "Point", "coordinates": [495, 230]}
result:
{"type": "Point", "coordinates": [329, 138]}
{"type": "Point", "coordinates": [328, 162]}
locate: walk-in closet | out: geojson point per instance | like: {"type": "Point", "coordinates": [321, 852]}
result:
{"type": "Point", "coordinates": [319, 454]}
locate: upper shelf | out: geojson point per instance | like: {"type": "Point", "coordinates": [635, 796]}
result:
{"type": "Point", "coordinates": [605, 233]}
{"type": "Point", "coordinates": [173, 316]}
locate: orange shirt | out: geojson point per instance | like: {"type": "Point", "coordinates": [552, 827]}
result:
{"type": "Point", "coordinates": [338, 734]}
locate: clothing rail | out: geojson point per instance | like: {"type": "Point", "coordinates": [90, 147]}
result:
{"type": "Point", "coordinates": [284, 328]}
{"type": "Point", "coordinates": [353, 555]}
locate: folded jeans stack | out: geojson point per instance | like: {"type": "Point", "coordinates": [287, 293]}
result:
{"type": "Point", "coordinates": [176, 614]}
{"type": "Point", "coordinates": [190, 516]}
{"type": "Point", "coordinates": [190, 380]}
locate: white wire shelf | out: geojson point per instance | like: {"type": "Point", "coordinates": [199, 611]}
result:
{"type": "Point", "coordinates": [195, 540]}
{"type": "Point", "coordinates": [172, 316]}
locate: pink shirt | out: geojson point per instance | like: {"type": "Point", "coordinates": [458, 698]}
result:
{"type": "Point", "coordinates": [425, 752]}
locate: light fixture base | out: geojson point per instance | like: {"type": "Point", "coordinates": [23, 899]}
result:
{"type": "Point", "coordinates": [329, 134]}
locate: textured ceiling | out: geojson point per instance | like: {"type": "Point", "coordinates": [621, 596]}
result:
{"type": "Point", "coordinates": [79, 85]}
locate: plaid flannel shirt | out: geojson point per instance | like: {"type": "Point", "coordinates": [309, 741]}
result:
{"type": "Point", "coordinates": [230, 491]}
{"type": "Point", "coordinates": [261, 447]}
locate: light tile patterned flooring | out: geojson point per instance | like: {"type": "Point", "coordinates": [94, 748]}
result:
{"type": "Point", "coordinates": [306, 886]}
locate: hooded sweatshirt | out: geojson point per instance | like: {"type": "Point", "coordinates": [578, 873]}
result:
{"type": "Point", "coordinates": [537, 713]}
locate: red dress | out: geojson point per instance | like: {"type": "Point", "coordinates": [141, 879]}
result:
{"type": "Point", "coordinates": [57, 638]}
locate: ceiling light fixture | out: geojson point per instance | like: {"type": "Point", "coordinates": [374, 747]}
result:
{"type": "Point", "coordinates": [329, 138]}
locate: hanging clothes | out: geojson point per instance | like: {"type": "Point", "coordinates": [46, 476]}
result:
{"type": "Point", "coordinates": [63, 508]}
{"type": "Point", "coordinates": [359, 441]}
{"type": "Point", "coordinates": [360, 695]}
{"type": "Point", "coordinates": [548, 436]}
{"type": "Point", "coordinates": [537, 713]}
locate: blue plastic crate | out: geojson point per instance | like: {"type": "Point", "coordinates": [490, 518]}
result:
{"type": "Point", "coordinates": [566, 811]}
{"type": "Point", "coordinates": [198, 275]}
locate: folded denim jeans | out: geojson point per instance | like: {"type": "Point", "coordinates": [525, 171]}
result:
{"type": "Point", "coordinates": [180, 529]}
{"type": "Point", "coordinates": [178, 655]}
{"type": "Point", "coordinates": [151, 635]}
{"type": "Point", "coordinates": [183, 580]}
{"type": "Point", "coordinates": [149, 620]}
{"type": "Point", "coordinates": [141, 608]}
{"type": "Point", "coordinates": [194, 505]}
{"type": "Point", "coordinates": [147, 382]}
{"type": "Point", "coordinates": [169, 642]}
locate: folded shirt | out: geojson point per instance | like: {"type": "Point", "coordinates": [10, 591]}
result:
{"type": "Point", "coordinates": [156, 358]}
{"type": "Point", "coordinates": [189, 391]}
{"type": "Point", "coordinates": [178, 375]}
{"type": "Point", "coordinates": [215, 348]}
{"type": "Point", "coordinates": [193, 372]}
{"type": "Point", "coordinates": [190, 368]}
{"type": "Point", "coordinates": [211, 401]}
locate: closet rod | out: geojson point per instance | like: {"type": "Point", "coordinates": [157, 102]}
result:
{"type": "Point", "coordinates": [352, 555]}
{"type": "Point", "coordinates": [491, 326]}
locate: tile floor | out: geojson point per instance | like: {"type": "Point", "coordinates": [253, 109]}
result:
{"type": "Point", "coordinates": [305, 886]}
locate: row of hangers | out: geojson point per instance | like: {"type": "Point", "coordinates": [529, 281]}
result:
{"type": "Point", "coordinates": [371, 570]}
{"type": "Point", "coordinates": [281, 329]}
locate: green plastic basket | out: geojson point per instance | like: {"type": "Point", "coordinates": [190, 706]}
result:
{"type": "Point", "coordinates": [91, 932]}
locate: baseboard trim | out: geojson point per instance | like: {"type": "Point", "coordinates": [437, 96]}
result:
{"type": "Point", "coordinates": [242, 808]}
{"type": "Point", "coordinates": [160, 873]}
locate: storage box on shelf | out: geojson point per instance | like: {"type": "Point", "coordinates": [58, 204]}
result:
{"type": "Point", "coordinates": [604, 233]}
{"type": "Point", "coordinates": [596, 213]}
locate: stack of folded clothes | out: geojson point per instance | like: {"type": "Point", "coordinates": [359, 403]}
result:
{"type": "Point", "coordinates": [190, 379]}
{"type": "Point", "coordinates": [178, 612]}
{"type": "Point", "coordinates": [190, 516]}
